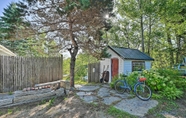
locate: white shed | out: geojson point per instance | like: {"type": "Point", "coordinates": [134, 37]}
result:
{"type": "Point", "coordinates": [124, 61]}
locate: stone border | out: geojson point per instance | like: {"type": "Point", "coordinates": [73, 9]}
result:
{"type": "Point", "coordinates": [29, 95]}
{"type": "Point", "coordinates": [21, 97]}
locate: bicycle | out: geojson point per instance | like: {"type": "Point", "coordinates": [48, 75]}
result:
{"type": "Point", "coordinates": [141, 90]}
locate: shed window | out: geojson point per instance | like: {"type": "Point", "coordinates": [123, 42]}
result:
{"type": "Point", "coordinates": [138, 65]}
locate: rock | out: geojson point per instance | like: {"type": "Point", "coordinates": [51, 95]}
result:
{"type": "Point", "coordinates": [60, 92]}
{"type": "Point", "coordinates": [89, 99]}
{"type": "Point", "coordinates": [5, 102]}
{"type": "Point", "coordinates": [110, 100]}
{"type": "Point", "coordinates": [46, 95]}
{"type": "Point", "coordinates": [104, 92]}
{"type": "Point", "coordinates": [25, 98]}
{"type": "Point", "coordinates": [65, 84]}
{"type": "Point", "coordinates": [25, 93]}
{"type": "Point", "coordinates": [87, 88]}
{"type": "Point", "coordinates": [33, 97]}
{"type": "Point", "coordinates": [136, 106]}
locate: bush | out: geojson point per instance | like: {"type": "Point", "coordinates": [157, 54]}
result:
{"type": "Point", "coordinates": [115, 78]}
{"type": "Point", "coordinates": [163, 82]}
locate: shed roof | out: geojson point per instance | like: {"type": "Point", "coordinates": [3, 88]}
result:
{"type": "Point", "coordinates": [130, 54]}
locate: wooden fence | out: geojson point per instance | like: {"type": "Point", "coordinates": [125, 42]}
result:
{"type": "Point", "coordinates": [17, 73]}
{"type": "Point", "coordinates": [94, 72]}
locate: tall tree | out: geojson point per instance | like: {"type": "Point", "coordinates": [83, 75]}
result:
{"type": "Point", "coordinates": [75, 24]}
{"type": "Point", "coordinates": [13, 26]}
{"type": "Point", "coordinates": [172, 16]}
{"type": "Point", "coordinates": [15, 33]}
{"type": "Point", "coordinates": [134, 10]}
{"type": "Point", "coordinates": [160, 22]}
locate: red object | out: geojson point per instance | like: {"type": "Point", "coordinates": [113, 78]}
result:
{"type": "Point", "coordinates": [115, 67]}
{"type": "Point", "coordinates": [142, 79]}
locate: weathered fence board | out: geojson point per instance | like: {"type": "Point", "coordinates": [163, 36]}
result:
{"type": "Point", "coordinates": [94, 72]}
{"type": "Point", "coordinates": [17, 73]}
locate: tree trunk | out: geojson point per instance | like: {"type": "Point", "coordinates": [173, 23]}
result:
{"type": "Point", "coordinates": [72, 66]}
{"type": "Point", "coordinates": [73, 52]}
{"type": "Point", "coordinates": [142, 34]}
{"type": "Point", "coordinates": [170, 49]}
{"type": "Point", "coordinates": [141, 25]}
{"type": "Point", "coordinates": [149, 48]}
{"type": "Point", "coordinates": [178, 52]}
{"type": "Point", "coordinates": [149, 37]}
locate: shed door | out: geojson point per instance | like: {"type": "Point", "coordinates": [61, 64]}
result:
{"type": "Point", "coordinates": [115, 67]}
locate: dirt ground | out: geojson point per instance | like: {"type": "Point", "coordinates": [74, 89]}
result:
{"type": "Point", "coordinates": [73, 107]}
{"type": "Point", "coordinates": [66, 107]}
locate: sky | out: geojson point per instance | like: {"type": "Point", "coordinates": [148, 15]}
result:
{"type": "Point", "coordinates": [4, 4]}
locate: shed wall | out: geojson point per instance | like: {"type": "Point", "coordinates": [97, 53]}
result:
{"type": "Point", "coordinates": [127, 67]}
{"type": "Point", "coordinates": [147, 65]}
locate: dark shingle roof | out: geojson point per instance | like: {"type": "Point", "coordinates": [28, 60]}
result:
{"type": "Point", "coordinates": [132, 54]}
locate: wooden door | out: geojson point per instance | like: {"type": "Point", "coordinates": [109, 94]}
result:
{"type": "Point", "coordinates": [115, 67]}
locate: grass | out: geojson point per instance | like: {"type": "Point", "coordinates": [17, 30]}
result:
{"type": "Point", "coordinates": [51, 101]}
{"type": "Point", "coordinates": [10, 93]}
{"type": "Point", "coordinates": [42, 102]}
{"type": "Point", "coordinates": [164, 106]}
{"type": "Point", "coordinates": [10, 111]}
{"type": "Point", "coordinates": [118, 113]}
{"type": "Point", "coordinates": [80, 82]}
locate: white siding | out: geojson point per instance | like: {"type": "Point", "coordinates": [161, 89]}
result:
{"type": "Point", "coordinates": [120, 71]}
{"type": "Point", "coordinates": [113, 54]}
{"type": "Point", "coordinates": [127, 67]}
{"type": "Point", "coordinates": [147, 65]}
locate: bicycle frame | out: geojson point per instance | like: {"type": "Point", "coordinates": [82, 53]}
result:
{"type": "Point", "coordinates": [125, 85]}
{"type": "Point", "coordinates": [141, 90]}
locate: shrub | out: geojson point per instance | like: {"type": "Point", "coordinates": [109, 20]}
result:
{"type": "Point", "coordinates": [163, 82]}
{"type": "Point", "coordinates": [115, 78]}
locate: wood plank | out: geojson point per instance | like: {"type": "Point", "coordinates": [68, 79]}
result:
{"type": "Point", "coordinates": [11, 81]}
{"type": "Point", "coordinates": [48, 83]}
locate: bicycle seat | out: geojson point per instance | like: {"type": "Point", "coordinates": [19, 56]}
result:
{"type": "Point", "coordinates": [142, 79]}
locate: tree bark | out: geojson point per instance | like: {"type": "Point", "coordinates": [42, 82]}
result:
{"type": "Point", "coordinates": [142, 34]}
{"type": "Point", "coordinates": [72, 66]}
{"type": "Point", "coordinates": [149, 33]}
{"type": "Point", "coordinates": [141, 25]}
{"type": "Point", "coordinates": [149, 37]}
{"type": "Point", "coordinates": [73, 52]}
{"type": "Point", "coordinates": [170, 49]}
{"type": "Point", "coordinates": [178, 52]}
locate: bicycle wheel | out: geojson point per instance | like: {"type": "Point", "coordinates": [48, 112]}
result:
{"type": "Point", "coordinates": [119, 86]}
{"type": "Point", "coordinates": [142, 91]}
